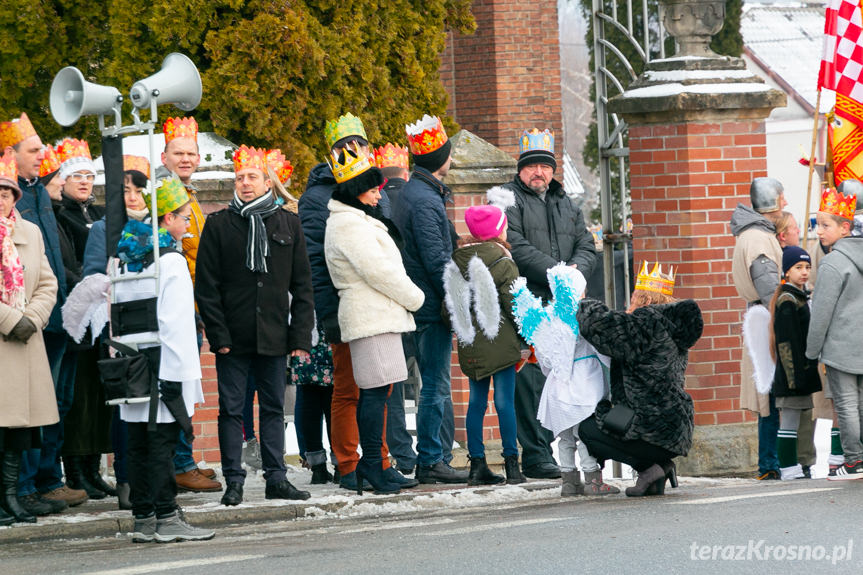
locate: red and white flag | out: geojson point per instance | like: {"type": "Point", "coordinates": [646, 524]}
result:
{"type": "Point", "coordinates": [842, 59]}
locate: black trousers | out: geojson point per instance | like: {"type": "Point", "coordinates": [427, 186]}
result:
{"type": "Point", "coordinates": [535, 440]}
{"type": "Point", "coordinates": [151, 468]}
{"type": "Point", "coordinates": [317, 400]}
{"type": "Point", "coordinates": [636, 453]}
{"type": "Point", "coordinates": [370, 421]}
{"type": "Point", "coordinates": [270, 380]}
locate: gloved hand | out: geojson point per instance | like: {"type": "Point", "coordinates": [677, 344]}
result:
{"type": "Point", "coordinates": [22, 331]}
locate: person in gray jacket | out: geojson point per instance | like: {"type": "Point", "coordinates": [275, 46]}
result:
{"type": "Point", "coordinates": [545, 228]}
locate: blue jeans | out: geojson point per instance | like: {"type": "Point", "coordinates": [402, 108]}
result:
{"type": "Point", "coordinates": [504, 404]}
{"type": "Point", "coordinates": [434, 352]}
{"type": "Point", "coordinates": [398, 439]}
{"type": "Point", "coordinates": [768, 429]}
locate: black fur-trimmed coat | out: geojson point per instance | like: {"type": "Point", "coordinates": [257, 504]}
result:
{"type": "Point", "coordinates": [649, 353]}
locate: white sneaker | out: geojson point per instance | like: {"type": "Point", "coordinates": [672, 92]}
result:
{"type": "Point", "coordinates": [791, 473]}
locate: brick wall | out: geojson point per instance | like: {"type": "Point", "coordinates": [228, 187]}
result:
{"type": "Point", "coordinates": [686, 180]}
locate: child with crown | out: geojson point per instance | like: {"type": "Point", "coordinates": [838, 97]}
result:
{"type": "Point", "coordinates": [650, 418]}
{"type": "Point", "coordinates": [837, 304]}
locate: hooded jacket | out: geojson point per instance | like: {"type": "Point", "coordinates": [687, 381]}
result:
{"type": "Point", "coordinates": [837, 306]}
{"type": "Point", "coordinates": [757, 255]}
{"type": "Point", "coordinates": [795, 375]}
{"type": "Point", "coordinates": [649, 354]}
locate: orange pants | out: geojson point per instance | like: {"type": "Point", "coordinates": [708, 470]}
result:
{"type": "Point", "coordinates": [345, 436]}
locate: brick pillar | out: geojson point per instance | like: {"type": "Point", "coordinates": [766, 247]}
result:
{"type": "Point", "coordinates": [693, 154]}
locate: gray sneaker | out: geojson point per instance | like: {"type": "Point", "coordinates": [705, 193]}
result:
{"type": "Point", "coordinates": [252, 454]}
{"type": "Point", "coordinates": [173, 528]}
{"type": "Point", "coordinates": [144, 530]}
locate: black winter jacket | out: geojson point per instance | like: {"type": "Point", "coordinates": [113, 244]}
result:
{"type": "Point", "coordinates": [426, 231]}
{"type": "Point", "coordinates": [248, 311]}
{"type": "Point", "coordinates": [544, 233]}
{"type": "Point", "coordinates": [795, 375]}
{"type": "Point", "coordinates": [649, 354]}
{"type": "Point", "coordinates": [76, 219]}
{"type": "Point", "coordinates": [313, 213]}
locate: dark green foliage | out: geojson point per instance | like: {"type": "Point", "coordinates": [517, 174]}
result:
{"type": "Point", "coordinates": [729, 41]}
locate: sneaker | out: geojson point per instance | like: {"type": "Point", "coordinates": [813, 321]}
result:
{"type": "Point", "coordinates": [440, 472]}
{"type": "Point", "coordinates": [173, 528]}
{"type": "Point", "coordinates": [846, 472]}
{"type": "Point", "coordinates": [35, 505]}
{"type": "Point", "coordinates": [769, 475]}
{"type": "Point", "coordinates": [66, 494]}
{"type": "Point", "coordinates": [144, 530]}
{"type": "Point", "coordinates": [832, 472]}
{"type": "Point", "coordinates": [252, 454]}
{"type": "Point", "coordinates": [791, 473]}
{"type": "Point", "coordinates": [195, 481]}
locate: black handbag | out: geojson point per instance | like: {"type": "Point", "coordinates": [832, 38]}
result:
{"type": "Point", "coordinates": [126, 376]}
{"type": "Point", "coordinates": [618, 419]}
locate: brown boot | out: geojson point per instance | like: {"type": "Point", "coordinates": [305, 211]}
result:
{"type": "Point", "coordinates": [71, 497]}
{"type": "Point", "coordinates": [207, 472]}
{"type": "Point", "coordinates": [593, 484]}
{"type": "Point", "coordinates": [195, 481]}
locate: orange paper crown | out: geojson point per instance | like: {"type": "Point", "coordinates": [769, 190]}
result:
{"type": "Point", "coordinates": [139, 163]}
{"type": "Point", "coordinates": [50, 163]}
{"type": "Point", "coordinates": [426, 135]}
{"type": "Point", "coordinates": [9, 168]}
{"type": "Point", "coordinates": [180, 128]}
{"type": "Point", "coordinates": [16, 131]}
{"type": "Point", "coordinates": [280, 165]}
{"type": "Point", "coordinates": [655, 281]}
{"type": "Point", "coordinates": [245, 158]}
{"type": "Point", "coordinates": [391, 156]}
{"type": "Point", "coordinates": [72, 148]}
{"type": "Point", "coordinates": [836, 203]}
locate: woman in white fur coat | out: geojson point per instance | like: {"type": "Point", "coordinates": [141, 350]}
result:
{"type": "Point", "coordinates": [376, 299]}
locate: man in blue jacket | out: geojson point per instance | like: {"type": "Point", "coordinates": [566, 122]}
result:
{"type": "Point", "coordinates": [422, 221]}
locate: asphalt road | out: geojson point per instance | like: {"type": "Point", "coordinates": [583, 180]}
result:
{"type": "Point", "coordinates": [738, 527]}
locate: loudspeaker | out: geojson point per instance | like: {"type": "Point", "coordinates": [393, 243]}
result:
{"type": "Point", "coordinates": [72, 97]}
{"type": "Point", "coordinates": [177, 83]}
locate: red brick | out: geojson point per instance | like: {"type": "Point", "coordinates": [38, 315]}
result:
{"type": "Point", "coordinates": [729, 417]}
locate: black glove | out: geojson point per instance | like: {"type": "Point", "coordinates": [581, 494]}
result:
{"type": "Point", "coordinates": [331, 328]}
{"type": "Point", "coordinates": [22, 331]}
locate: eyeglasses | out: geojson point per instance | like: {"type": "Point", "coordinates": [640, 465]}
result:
{"type": "Point", "coordinates": [82, 177]}
{"type": "Point", "coordinates": [187, 218]}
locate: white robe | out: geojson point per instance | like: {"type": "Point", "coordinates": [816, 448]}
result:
{"type": "Point", "coordinates": [180, 360]}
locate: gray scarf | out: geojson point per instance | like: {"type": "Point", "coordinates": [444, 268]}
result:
{"type": "Point", "coordinates": [257, 247]}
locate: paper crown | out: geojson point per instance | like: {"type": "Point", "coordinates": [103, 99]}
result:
{"type": "Point", "coordinates": [391, 156]}
{"type": "Point", "coordinates": [16, 131]}
{"type": "Point", "coordinates": [174, 128]}
{"type": "Point", "coordinates": [246, 158]}
{"type": "Point", "coordinates": [70, 149]}
{"type": "Point", "coordinates": [655, 281]}
{"type": "Point", "coordinates": [50, 163]}
{"type": "Point", "coordinates": [355, 164]}
{"type": "Point", "coordinates": [347, 125]}
{"type": "Point", "coordinates": [170, 195]}
{"type": "Point", "coordinates": [280, 165]}
{"type": "Point", "coordinates": [426, 135]}
{"type": "Point", "coordinates": [535, 140]}
{"type": "Point", "coordinates": [9, 168]}
{"type": "Point", "coordinates": [139, 163]}
{"type": "Point", "coordinates": [836, 203]}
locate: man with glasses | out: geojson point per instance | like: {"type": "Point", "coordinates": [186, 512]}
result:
{"type": "Point", "coordinates": [545, 228]}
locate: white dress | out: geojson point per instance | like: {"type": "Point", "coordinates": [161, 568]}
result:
{"type": "Point", "coordinates": [180, 360]}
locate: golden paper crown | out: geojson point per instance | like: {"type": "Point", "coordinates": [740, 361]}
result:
{"type": "Point", "coordinates": [391, 156]}
{"type": "Point", "coordinates": [344, 126]}
{"type": "Point", "coordinates": [71, 148]}
{"type": "Point", "coordinates": [426, 135]}
{"type": "Point", "coordinates": [9, 168]}
{"type": "Point", "coordinates": [280, 165]}
{"type": "Point", "coordinates": [246, 158]}
{"type": "Point", "coordinates": [355, 164]}
{"type": "Point", "coordinates": [50, 163]}
{"type": "Point", "coordinates": [836, 203]}
{"type": "Point", "coordinates": [139, 163]}
{"type": "Point", "coordinates": [16, 131]}
{"type": "Point", "coordinates": [655, 281]}
{"type": "Point", "coordinates": [180, 128]}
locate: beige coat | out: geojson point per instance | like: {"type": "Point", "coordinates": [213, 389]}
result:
{"type": "Point", "coordinates": [751, 243]}
{"type": "Point", "coordinates": [26, 384]}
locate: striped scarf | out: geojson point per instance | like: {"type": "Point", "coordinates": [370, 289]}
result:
{"type": "Point", "coordinates": [257, 246]}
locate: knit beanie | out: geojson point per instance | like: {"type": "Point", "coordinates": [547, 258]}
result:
{"type": "Point", "coordinates": [485, 222]}
{"type": "Point", "coordinates": [791, 256]}
{"type": "Point", "coordinates": [434, 160]}
{"type": "Point", "coordinates": [529, 157]}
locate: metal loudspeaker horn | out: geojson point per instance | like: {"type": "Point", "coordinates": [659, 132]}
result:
{"type": "Point", "coordinates": [72, 97]}
{"type": "Point", "coordinates": [177, 83]}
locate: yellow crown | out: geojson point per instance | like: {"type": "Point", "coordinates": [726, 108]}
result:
{"type": "Point", "coordinates": [9, 167]}
{"type": "Point", "coordinates": [180, 128]}
{"type": "Point", "coordinates": [139, 163]}
{"type": "Point", "coordinates": [355, 164]}
{"type": "Point", "coordinates": [391, 156]}
{"type": "Point", "coordinates": [50, 163]}
{"type": "Point", "coordinates": [16, 131]}
{"type": "Point", "coordinates": [246, 158]}
{"type": "Point", "coordinates": [280, 165]}
{"type": "Point", "coordinates": [71, 148]}
{"type": "Point", "coordinates": [836, 203]}
{"type": "Point", "coordinates": [655, 281]}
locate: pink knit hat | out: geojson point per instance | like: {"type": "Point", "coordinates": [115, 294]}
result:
{"type": "Point", "coordinates": [485, 222]}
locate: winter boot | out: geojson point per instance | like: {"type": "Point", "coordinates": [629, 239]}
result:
{"type": "Point", "coordinates": [123, 493]}
{"type": "Point", "coordinates": [645, 479]}
{"type": "Point", "coordinates": [74, 467]}
{"type": "Point", "coordinates": [318, 462]}
{"type": "Point", "coordinates": [252, 454]}
{"type": "Point", "coordinates": [513, 470]}
{"type": "Point", "coordinates": [91, 470]}
{"type": "Point", "coordinates": [173, 527]}
{"type": "Point", "coordinates": [571, 483]}
{"type": "Point", "coordinates": [480, 474]}
{"type": "Point", "coordinates": [593, 484]}
{"type": "Point", "coordinates": [9, 500]}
